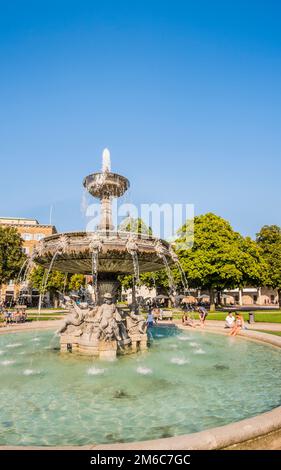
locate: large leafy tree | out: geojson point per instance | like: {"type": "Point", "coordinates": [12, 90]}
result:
{"type": "Point", "coordinates": [56, 283]}
{"type": "Point", "coordinates": [269, 239]}
{"type": "Point", "coordinates": [219, 258]}
{"type": "Point", "coordinates": [157, 279]}
{"type": "Point", "coordinates": [11, 254]}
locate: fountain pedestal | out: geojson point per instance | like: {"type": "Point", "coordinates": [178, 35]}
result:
{"type": "Point", "coordinates": [108, 283]}
{"type": "Point", "coordinates": [138, 343]}
{"type": "Point", "coordinates": [102, 331]}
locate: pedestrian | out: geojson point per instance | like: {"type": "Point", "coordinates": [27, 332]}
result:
{"type": "Point", "coordinates": [202, 315]}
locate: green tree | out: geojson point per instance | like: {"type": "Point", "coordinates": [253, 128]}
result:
{"type": "Point", "coordinates": [11, 254]}
{"type": "Point", "coordinates": [76, 281]}
{"type": "Point", "coordinates": [157, 279]}
{"type": "Point", "coordinates": [269, 239]}
{"type": "Point", "coordinates": [219, 258]}
{"type": "Point", "coordinates": [252, 263]}
{"type": "Point", "coordinates": [131, 224]}
{"type": "Point", "coordinates": [57, 282]}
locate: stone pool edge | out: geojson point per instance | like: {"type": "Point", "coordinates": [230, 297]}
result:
{"type": "Point", "coordinates": [250, 431]}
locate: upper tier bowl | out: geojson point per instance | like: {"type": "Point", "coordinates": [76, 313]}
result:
{"type": "Point", "coordinates": [74, 252]}
{"type": "Point", "coordinates": [106, 184]}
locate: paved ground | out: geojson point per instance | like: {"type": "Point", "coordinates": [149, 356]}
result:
{"type": "Point", "coordinates": [254, 326]}
{"type": "Point", "coordinates": [220, 324]}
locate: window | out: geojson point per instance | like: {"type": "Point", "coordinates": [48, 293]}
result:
{"type": "Point", "coordinates": [25, 250]}
{"type": "Point", "coordinates": [27, 236]}
{"type": "Point", "coordinates": [38, 236]}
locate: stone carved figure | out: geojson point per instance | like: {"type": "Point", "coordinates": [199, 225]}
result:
{"type": "Point", "coordinates": [75, 317]}
{"type": "Point", "coordinates": [94, 327]}
{"type": "Point", "coordinates": [107, 320]}
{"type": "Point", "coordinates": [136, 324]}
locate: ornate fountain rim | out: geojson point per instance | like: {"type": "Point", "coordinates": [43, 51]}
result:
{"type": "Point", "coordinates": [74, 251]}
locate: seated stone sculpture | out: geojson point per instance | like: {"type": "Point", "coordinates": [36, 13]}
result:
{"type": "Point", "coordinates": [136, 324]}
{"type": "Point", "coordinates": [107, 319]}
{"type": "Point", "coordinates": [75, 317]}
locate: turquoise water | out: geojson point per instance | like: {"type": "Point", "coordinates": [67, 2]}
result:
{"type": "Point", "coordinates": [186, 382]}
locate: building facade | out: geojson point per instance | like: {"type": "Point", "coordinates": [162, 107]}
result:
{"type": "Point", "coordinates": [261, 296]}
{"type": "Point", "coordinates": [31, 233]}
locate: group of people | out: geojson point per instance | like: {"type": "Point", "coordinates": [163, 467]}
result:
{"type": "Point", "coordinates": [235, 322]}
{"type": "Point", "coordinates": [188, 320]}
{"type": "Point", "coordinates": [17, 316]}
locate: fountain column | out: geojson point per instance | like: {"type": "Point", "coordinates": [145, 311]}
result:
{"type": "Point", "coordinates": [106, 214]}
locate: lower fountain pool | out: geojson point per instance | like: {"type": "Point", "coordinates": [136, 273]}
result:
{"type": "Point", "coordinates": [186, 382]}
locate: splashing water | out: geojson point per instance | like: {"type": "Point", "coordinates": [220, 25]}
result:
{"type": "Point", "coordinates": [84, 201]}
{"type": "Point", "coordinates": [95, 371]}
{"type": "Point", "coordinates": [13, 345]}
{"type": "Point", "coordinates": [179, 361]}
{"type": "Point", "coordinates": [183, 277]}
{"type": "Point", "coordinates": [106, 163]}
{"type": "Point", "coordinates": [44, 282]}
{"type": "Point", "coordinates": [64, 283]}
{"type": "Point", "coordinates": [28, 372]}
{"type": "Point", "coordinates": [144, 370]}
{"type": "Point", "coordinates": [26, 262]}
{"type": "Point", "coordinates": [199, 351]}
{"type": "Point", "coordinates": [169, 274]}
{"type": "Point", "coordinates": [95, 256]}
{"type": "Point", "coordinates": [136, 267]}
{"type": "Point", "coordinates": [7, 362]}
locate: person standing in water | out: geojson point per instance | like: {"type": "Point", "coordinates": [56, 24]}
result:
{"type": "Point", "coordinates": [150, 319]}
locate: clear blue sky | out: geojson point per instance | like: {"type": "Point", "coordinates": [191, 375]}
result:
{"type": "Point", "coordinates": [186, 95]}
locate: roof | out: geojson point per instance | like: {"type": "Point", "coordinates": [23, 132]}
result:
{"type": "Point", "coordinates": [21, 221]}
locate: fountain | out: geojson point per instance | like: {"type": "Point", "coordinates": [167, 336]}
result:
{"type": "Point", "coordinates": [104, 405]}
{"type": "Point", "coordinates": [102, 329]}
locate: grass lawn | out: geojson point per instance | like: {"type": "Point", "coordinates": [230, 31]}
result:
{"type": "Point", "coordinates": [40, 318]}
{"type": "Point", "coordinates": [51, 309]}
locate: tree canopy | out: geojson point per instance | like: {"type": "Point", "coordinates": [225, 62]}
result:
{"type": "Point", "coordinates": [269, 240]}
{"type": "Point", "coordinates": [11, 254]}
{"type": "Point", "coordinates": [56, 282]}
{"type": "Point", "coordinates": [219, 258]}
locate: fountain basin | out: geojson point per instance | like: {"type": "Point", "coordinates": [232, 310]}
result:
{"type": "Point", "coordinates": [74, 252]}
{"type": "Point", "coordinates": [78, 402]}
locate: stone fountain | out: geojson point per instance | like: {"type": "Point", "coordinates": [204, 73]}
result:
{"type": "Point", "coordinates": [102, 329]}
